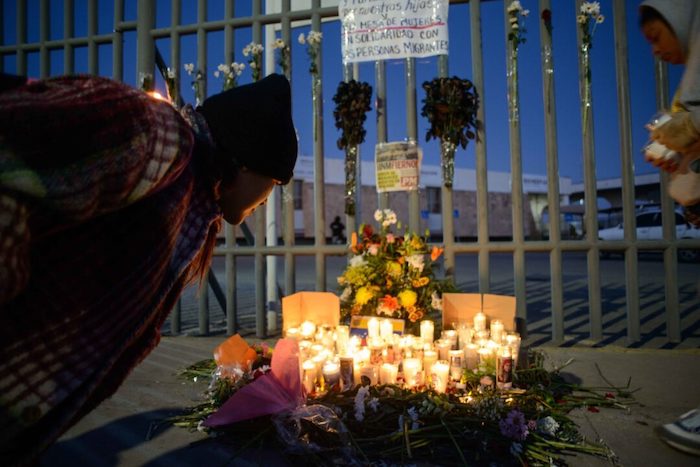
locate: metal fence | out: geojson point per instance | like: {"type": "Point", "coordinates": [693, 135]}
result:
{"type": "Point", "coordinates": [283, 20]}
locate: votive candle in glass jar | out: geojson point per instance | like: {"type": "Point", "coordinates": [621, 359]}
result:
{"type": "Point", "coordinates": [411, 368]}
{"type": "Point", "coordinates": [456, 364]}
{"type": "Point", "coordinates": [372, 328]}
{"type": "Point", "coordinates": [450, 335]}
{"type": "Point", "coordinates": [479, 322]}
{"type": "Point", "coordinates": [427, 331]}
{"type": "Point", "coordinates": [387, 373]}
{"type": "Point", "coordinates": [310, 373]}
{"type": "Point", "coordinates": [443, 347]}
{"type": "Point", "coordinates": [331, 373]}
{"type": "Point", "coordinates": [439, 375]}
{"type": "Point", "coordinates": [386, 330]}
{"type": "Point", "coordinates": [497, 330]}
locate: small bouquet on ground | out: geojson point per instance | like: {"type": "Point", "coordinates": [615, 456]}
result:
{"type": "Point", "coordinates": [391, 275]}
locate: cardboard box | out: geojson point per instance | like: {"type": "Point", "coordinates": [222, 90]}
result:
{"type": "Point", "coordinates": [317, 307]}
{"type": "Point", "coordinates": [461, 308]}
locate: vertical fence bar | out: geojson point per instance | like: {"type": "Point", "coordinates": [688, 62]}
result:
{"type": "Point", "coordinates": [44, 29]}
{"type": "Point", "coordinates": [2, 37]}
{"type": "Point", "coordinates": [673, 331]}
{"type": "Point", "coordinates": [288, 189]}
{"type": "Point", "coordinates": [482, 194]}
{"type": "Point", "coordinates": [590, 191]}
{"type": "Point", "coordinates": [230, 230]}
{"type": "Point", "coordinates": [202, 66]}
{"type": "Point", "coordinates": [516, 170]}
{"type": "Point", "coordinates": [319, 178]}
{"type": "Point", "coordinates": [21, 28]}
{"type": "Point", "coordinates": [629, 221]}
{"type": "Point", "coordinates": [381, 109]}
{"type": "Point", "coordinates": [92, 33]}
{"type": "Point", "coordinates": [412, 134]}
{"type": "Point", "coordinates": [260, 276]}
{"type": "Point", "coordinates": [271, 208]}
{"type": "Point", "coordinates": [550, 128]}
{"type": "Point", "coordinates": [117, 41]}
{"type": "Point", "coordinates": [447, 195]}
{"type": "Point", "coordinates": [145, 45]}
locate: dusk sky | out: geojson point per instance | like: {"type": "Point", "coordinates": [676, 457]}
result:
{"type": "Point", "coordinates": [494, 98]}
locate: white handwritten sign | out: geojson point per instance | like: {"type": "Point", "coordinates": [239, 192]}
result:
{"type": "Point", "coordinates": [398, 166]}
{"type": "Point", "coordinates": [385, 29]}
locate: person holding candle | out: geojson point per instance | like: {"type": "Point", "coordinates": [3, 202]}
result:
{"type": "Point", "coordinates": [110, 204]}
{"type": "Point", "coordinates": [672, 28]}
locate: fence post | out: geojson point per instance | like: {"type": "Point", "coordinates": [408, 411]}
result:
{"type": "Point", "coordinates": [145, 44]}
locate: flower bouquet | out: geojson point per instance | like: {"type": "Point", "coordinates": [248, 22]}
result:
{"type": "Point", "coordinates": [391, 275]}
{"type": "Point", "coordinates": [450, 105]}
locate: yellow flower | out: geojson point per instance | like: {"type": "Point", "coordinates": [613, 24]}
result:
{"type": "Point", "coordinates": [420, 282]}
{"type": "Point", "coordinates": [393, 269]}
{"type": "Point", "coordinates": [407, 298]}
{"type": "Point", "coordinates": [363, 295]}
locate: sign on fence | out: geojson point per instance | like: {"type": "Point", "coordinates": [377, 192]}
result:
{"type": "Point", "coordinates": [385, 29]}
{"type": "Point", "coordinates": [398, 166]}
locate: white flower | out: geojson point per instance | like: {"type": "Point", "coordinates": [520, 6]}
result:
{"type": "Point", "coordinates": [253, 65]}
{"type": "Point", "coordinates": [360, 397]}
{"type": "Point", "coordinates": [378, 215]}
{"type": "Point", "coordinates": [416, 262]}
{"type": "Point", "coordinates": [515, 26]}
{"type": "Point", "coordinates": [347, 291]}
{"type": "Point", "coordinates": [216, 74]}
{"type": "Point", "coordinates": [525, 12]}
{"type": "Point", "coordinates": [302, 39]}
{"type": "Point", "coordinates": [357, 261]}
{"type": "Point", "coordinates": [547, 426]}
{"type": "Point", "coordinates": [373, 250]}
{"type": "Point", "coordinates": [599, 19]}
{"type": "Point", "coordinates": [436, 301]}
{"type": "Point", "coordinates": [591, 8]}
{"type": "Point", "coordinates": [314, 37]}
{"type": "Point", "coordinates": [373, 404]}
{"type": "Point", "coordinates": [278, 44]}
{"type": "Point", "coordinates": [189, 68]}
{"type": "Point", "coordinates": [581, 19]}
{"type": "Point", "coordinates": [514, 6]}
{"type": "Point", "coordinates": [171, 73]}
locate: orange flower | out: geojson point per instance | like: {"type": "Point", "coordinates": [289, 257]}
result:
{"type": "Point", "coordinates": [420, 282]}
{"type": "Point", "coordinates": [389, 303]}
{"type": "Point", "coordinates": [436, 252]}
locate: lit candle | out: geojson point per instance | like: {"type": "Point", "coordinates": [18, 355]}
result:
{"type": "Point", "coordinates": [331, 373]}
{"type": "Point", "coordinates": [486, 360]}
{"type": "Point", "coordinates": [465, 332]}
{"type": "Point", "coordinates": [429, 357]}
{"type": "Point", "coordinates": [369, 373]}
{"type": "Point", "coordinates": [292, 333]}
{"type": "Point", "coordinates": [387, 373]}
{"type": "Point", "coordinates": [411, 367]}
{"type": "Point", "coordinates": [450, 335]}
{"type": "Point", "coordinates": [342, 336]}
{"type": "Point", "coordinates": [504, 368]}
{"type": "Point", "coordinates": [439, 374]}
{"type": "Point", "coordinates": [443, 347]}
{"type": "Point", "coordinates": [309, 379]}
{"type": "Point", "coordinates": [372, 328]}
{"type": "Point", "coordinates": [513, 341]}
{"type": "Point", "coordinates": [347, 373]}
{"type": "Point", "coordinates": [307, 329]}
{"type": "Point", "coordinates": [497, 330]}
{"type": "Point", "coordinates": [386, 330]}
{"type": "Point", "coordinates": [427, 331]}
{"type": "Point", "coordinates": [305, 349]}
{"type": "Point", "coordinates": [479, 322]}
{"type": "Point", "coordinates": [316, 349]}
{"type": "Point", "coordinates": [471, 357]}
{"type": "Point", "coordinates": [456, 362]}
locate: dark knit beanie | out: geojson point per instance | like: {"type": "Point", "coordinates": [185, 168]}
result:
{"type": "Point", "coordinates": [252, 124]}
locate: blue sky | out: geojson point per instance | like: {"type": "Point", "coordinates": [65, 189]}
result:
{"type": "Point", "coordinates": [494, 98]}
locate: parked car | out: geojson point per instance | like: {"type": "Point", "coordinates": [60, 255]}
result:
{"type": "Point", "coordinates": [649, 227]}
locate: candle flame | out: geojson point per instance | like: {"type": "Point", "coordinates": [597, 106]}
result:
{"type": "Point", "coordinates": [157, 95]}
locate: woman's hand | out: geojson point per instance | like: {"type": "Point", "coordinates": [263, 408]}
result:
{"type": "Point", "coordinates": [678, 134]}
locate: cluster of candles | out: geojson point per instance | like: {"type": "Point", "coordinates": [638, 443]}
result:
{"type": "Point", "coordinates": [331, 356]}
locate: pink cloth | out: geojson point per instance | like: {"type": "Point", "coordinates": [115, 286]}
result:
{"type": "Point", "coordinates": [280, 390]}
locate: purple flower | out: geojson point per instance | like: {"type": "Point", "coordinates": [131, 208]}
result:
{"type": "Point", "coordinates": [514, 426]}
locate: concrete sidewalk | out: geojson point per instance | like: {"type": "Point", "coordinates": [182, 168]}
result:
{"type": "Point", "coordinates": [117, 432]}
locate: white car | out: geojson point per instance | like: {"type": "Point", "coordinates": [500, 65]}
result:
{"type": "Point", "coordinates": [649, 227]}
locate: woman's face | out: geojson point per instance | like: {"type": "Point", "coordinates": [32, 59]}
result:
{"type": "Point", "coordinates": [664, 43]}
{"type": "Point", "coordinates": [239, 198]}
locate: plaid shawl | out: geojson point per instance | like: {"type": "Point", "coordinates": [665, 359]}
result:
{"type": "Point", "coordinates": [105, 215]}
